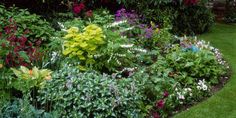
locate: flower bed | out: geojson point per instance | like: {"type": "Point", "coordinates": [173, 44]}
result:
{"type": "Point", "coordinates": [101, 65]}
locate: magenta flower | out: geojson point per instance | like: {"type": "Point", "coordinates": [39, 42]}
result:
{"type": "Point", "coordinates": [77, 8]}
{"type": "Point", "coordinates": [155, 115]}
{"type": "Point", "coordinates": [165, 94]}
{"type": "Point", "coordinates": [160, 104]}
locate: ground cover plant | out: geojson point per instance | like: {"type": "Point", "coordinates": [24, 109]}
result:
{"type": "Point", "coordinates": [100, 64]}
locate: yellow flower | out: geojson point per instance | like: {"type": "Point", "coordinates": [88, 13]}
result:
{"type": "Point", "coordinates": [1, 65]}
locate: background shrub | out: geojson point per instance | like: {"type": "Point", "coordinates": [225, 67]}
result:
{"type": "Point", "coordinates": [230, 15]}
{"type": "Point", "coordinates": [187, 17]}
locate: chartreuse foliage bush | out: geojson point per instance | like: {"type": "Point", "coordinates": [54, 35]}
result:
{"type": "Point", "coordinates": [84, 45]}
{"type": "Point", "coordinates": [90, 94]}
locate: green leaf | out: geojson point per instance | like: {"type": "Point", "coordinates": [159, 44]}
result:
{"type": "Point", "coordinates": [24, 56]}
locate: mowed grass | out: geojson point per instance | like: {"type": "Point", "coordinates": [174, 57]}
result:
{"type": "Point", "coordinates": [223, 103]}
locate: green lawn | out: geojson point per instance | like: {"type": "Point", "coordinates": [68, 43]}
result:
{"type": "Point", "coordinates": [223, 103]}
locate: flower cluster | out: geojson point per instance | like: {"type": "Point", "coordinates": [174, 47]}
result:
{"type": "Point", "coordinates": [201, 85]}
{"type": "Point", "coordinates": [131, 17]}
{"type": "Point", "coordinates": [181, 94]}
{"type": "Point", "coordinates": [160, 104]}
{"type": "Point", "coordinates": [149, 31]}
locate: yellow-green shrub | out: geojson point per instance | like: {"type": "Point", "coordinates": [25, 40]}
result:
{"type": "Point", "coordinates": [83, 45]}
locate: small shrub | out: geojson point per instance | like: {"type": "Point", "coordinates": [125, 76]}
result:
{"type": "Point", "coordinates": [90, 94]}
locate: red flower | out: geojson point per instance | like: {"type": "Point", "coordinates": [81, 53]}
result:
{"type": "Point", "coordinates": [165, 94]}
{"type": "Point", "coordinates": [89, 13]}
{"type": "Point", "coordinates": [160, 104]}
{"type": "Point", "coordinates": [78, 8]}
{"type": "Point", "coordinates": [81, 5]}
{"type": "Point", "coordinates": [155, 115]}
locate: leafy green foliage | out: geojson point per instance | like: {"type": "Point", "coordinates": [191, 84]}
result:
{"type": "Point", "coordinates": [22, 109]}
{"type": "Point", "coordinates": [39, 29]}
{"type": "Point", "coordinates": [230, 14]}
{"type": "Point", "coordinates": [90, 94]}
{"type": "Point", "coordinates": [191, 66]}
{"type": "Point", "coordinates": [193, 20]}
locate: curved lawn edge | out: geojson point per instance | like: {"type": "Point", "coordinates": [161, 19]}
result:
{"type": "Point", "coordinates": [221, 104]}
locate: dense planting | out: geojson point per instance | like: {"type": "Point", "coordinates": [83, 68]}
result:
{"type": "Point", "coordinates": [102, 65]}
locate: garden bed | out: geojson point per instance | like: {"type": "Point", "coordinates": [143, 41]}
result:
{"type": "Point", "coordinates": [96, 64]}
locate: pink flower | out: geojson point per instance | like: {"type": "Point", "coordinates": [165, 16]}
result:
{"type": "Point", "coordinates": [165, 94]}
{"type": "Point", "coordinates": [155, 115]}
{"type": "Point", "coordinates": [160, 104]}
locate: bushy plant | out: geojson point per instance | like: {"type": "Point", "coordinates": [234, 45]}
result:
{"type": "Point", "coordinates": [193, 20]}
{"type": "Point", "coordinates": [84, 45]}
{"type": "Point", "coordinates": [230, 15]}
{"type": "Point", "coordinates": [177, 12]}
{"type": "Point", "coordinates": [22, 34]}
{"type": "Point", "coordinates": [37, 28]}
{"type": "Point", "coordinates": [190, 60]}
{"type": "Point", "coordinates": [90, 94]}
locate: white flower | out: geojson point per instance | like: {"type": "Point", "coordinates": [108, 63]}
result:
{"type": "Point", "coordinates": [204, 88]}
{"type": "Point", "coordinates": [191, 94]}
{"type": "Point", "coordinates": [140, 50]}
{"type": "Point", "coordinates": [61, 26]}
{"type": "Point", "coordinates": [127, 29]}
{"type": "Point", "coordinates": [202, 85]}
{"type": "Point", "coordinates": [181, 97]}
{"type": "Point", "coordinates": [127, 46]}
{"type": "Point", "coordinates": [116, 23]}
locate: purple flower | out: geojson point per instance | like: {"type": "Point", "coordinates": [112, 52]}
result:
{"type": "Point", "coordinates": [131, 17]}
{"type": "Point", "coordinates": [148, 33]}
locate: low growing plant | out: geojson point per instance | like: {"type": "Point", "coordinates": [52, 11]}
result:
{"type": "Point", "coordinates": [90, 94]}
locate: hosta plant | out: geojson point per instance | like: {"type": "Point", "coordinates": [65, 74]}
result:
{"type": "Point", "coordinates": [26, 78]}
